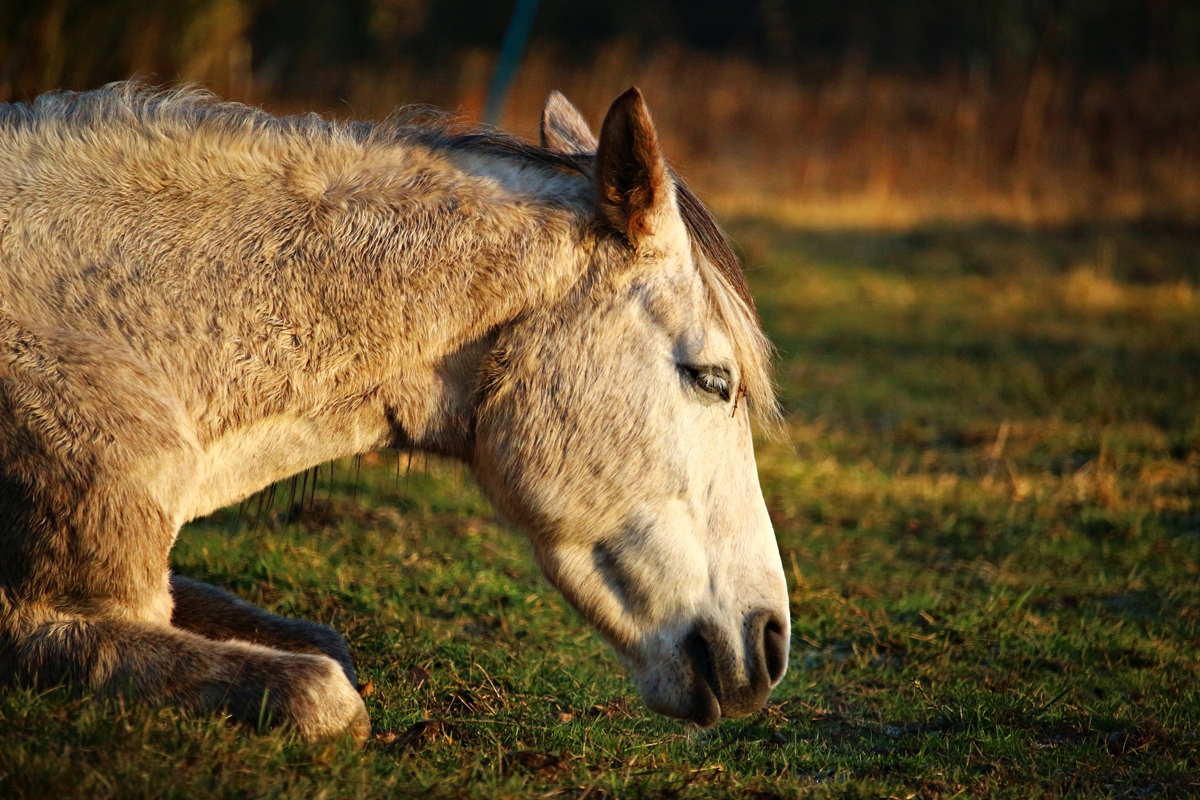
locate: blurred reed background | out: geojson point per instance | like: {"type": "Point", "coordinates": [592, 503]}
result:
{"type": "Point", "coordinates": [817, 114]}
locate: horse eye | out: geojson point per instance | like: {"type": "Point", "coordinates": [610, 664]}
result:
{"type": "Point", "coordinates": [713, 380]}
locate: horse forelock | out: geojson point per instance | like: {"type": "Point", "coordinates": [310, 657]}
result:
{"type": "Point", "coordinates": [722, 274]}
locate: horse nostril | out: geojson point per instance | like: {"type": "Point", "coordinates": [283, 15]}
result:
{"type": "Point", "coordinates": [769, 638]}
{"type": "Point", "coordinates": [706, 689]}
{"type": "Point", "coordinates": [775, 649]}
{"type": "Point", "coordinates": [700, 655]}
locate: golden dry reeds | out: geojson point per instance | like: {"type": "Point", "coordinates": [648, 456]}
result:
{"type": "Point", "coordinates": [878, 150]}
{"type": "Point", "coordinates": [864, 149]}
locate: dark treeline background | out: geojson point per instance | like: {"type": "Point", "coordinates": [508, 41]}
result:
{"type": "Point", "coordinates": [83, 42]}
{"type": "Point", "coordinates": [824, 111]}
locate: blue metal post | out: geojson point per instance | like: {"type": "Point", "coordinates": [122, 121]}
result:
{"type": "Point", "coordinates": [510, 60]}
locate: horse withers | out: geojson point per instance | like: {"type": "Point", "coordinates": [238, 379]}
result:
{"type": "Point", "coordinates": [198, 299]}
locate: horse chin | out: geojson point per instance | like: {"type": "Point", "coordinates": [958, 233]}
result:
{"type": "Point", "coordinates": [703, 709]}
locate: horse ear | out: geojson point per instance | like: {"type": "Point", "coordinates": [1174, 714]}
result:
{"type": "Point", "coordinates": [636, 191]}
{"type": "Point", "coordinates": [564, 129]}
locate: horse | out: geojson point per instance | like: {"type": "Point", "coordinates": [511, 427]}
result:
{"type": "Point", "coordinates": [199, 299]}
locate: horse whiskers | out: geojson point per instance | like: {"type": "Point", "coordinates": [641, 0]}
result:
{"type": "Point", "coordinates": [258, 513]}
{"type": "Point", "coordinates": [329, 494]}
{"type": "Point", "coordinates": [241, 511]}
{"type": "Point", "coordinates": [357, 476]}
{"type": "Point", "coordinates": [312, 496]}
{"type": "Point", "coordinates": [303, 491]}
{"type": "Point", "coordinates": [291, 507]}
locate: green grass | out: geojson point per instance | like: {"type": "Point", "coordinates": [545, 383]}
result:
{"type": "Point", "coordinates": [987, 507]}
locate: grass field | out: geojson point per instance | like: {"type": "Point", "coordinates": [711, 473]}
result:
{"type": "Point", "coordinates": [987, 505]}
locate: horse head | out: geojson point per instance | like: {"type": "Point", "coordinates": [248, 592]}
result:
{"type": "Point", "coordinates": [614, 428]}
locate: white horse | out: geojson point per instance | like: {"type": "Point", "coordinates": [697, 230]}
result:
{"type": "Point", "coordinates": [198, 299]}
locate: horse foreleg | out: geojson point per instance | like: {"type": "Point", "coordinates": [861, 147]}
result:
{"type": "Point", "coordinates": [158, 664]}
{"type": "Point", "coordinates": [94, 447]}
{"type": "Point", "coordinates": [218, 615]}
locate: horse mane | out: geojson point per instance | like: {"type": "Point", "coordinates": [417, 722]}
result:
{"type": "Point", "coordinates": [193, 108]}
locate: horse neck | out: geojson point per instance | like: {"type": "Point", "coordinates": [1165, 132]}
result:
{"type": "Point", "coordinates": [394, 314]}
{"type": "Point", "coordinates": [453, 323]}
{"type": "Point", "coordinates": [424, 292]}
{"type": "Point", "coordinates": [300, 299]}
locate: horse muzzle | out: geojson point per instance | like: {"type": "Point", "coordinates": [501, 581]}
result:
{"type": "Point", "coordinates": [721, 673]}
